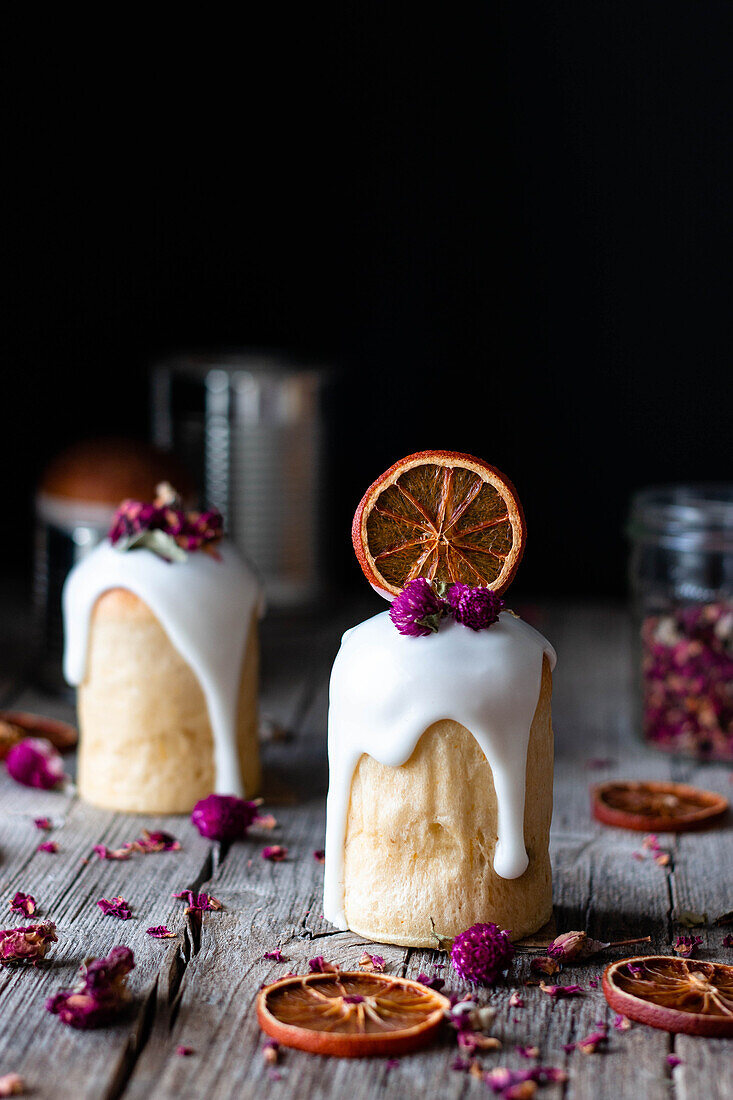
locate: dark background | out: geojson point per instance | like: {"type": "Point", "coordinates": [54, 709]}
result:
{"type": "Point", "coordinates": [509, 225]}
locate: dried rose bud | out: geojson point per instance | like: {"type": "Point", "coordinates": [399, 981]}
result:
{"type": "Point", "coordinates": [275, 853]}
{"type": "Point", "coordinates": [223, 817]}
{"type": "Point", "coordinates": [34, 762]}
{"type": "Point", "coordinates": [11, 1084]}
{"type": "Point", "coordinates": [100, 994]}
{"type": "Point", "coordinates": [112, 853]}
{"type": "Point", "coordinates": [574, 945]}
{"type": "Point", "coordinates": [23, 903]}
{"type": "Point", "coordinates": [27, 944]}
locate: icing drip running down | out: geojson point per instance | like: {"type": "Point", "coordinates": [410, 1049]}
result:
{"type": "Point", "coordinates": [204, 605]}
{"type": "Point", "coordinates": [387, 689]}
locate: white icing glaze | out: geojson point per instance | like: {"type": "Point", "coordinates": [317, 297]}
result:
{"type": "Point", "coordinates": [387, 689]}
{"type": "Point", "coordinates": [204, 605]}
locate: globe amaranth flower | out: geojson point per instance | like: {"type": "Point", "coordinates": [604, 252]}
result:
{"type": "Point", "coordinates": [223, 816]}
{"type": "Point", "coordinates": [418, 609]}
{"type": "Point", "coordinates": [476, 608]}
{"type": "Point", "coordinates": [482, 953]}
{"type": "Point", "coordinates": [27, 944]}
{"type": "Point", "coordinates": [35, 762]}
{"type": "Point", "coordinates": [100, 993]}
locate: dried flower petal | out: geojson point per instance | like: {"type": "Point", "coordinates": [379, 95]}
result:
{"type": "Point", "coordinates": [543, 964]}
{"type": "Point", "coordinates": [621, 1023]}
{"type": "Point", "coordinates": [28, 944]}
{"type": "Point", "coordinates": [436, 982]}
{"type": "Point", "coordinates": [100, 993]}
{"type": "Point", "coordinates": [35, 762]}
{"type": "Point", "coordinates": [319, 965]}
{"type": "Point", "coordinates": [118, 907]}
{"type": "Point", "coordinates": [42, 823]}
{"type": "Point", "coordinates": [560, 990]}
{"type": "Point", "coordinates": [319, 855]}
{"type": "Point", "coordinates": [161, 932]}
{"type": "Point", "coordinates": [223, 816]}
{"type": "Point", "coordinates": [164, 527]}
{"type": "Point", "coordinates": [516, 1000]}
{"type": "Point", "coordinates": [371, 962]}
{"type": "Point", "coordinates": [112, 853]}
{"type": "Point", "coordinates": [157, 841]}
{"type": "Point", "coordinates": [482, 953]}
{"type": "Point", "coordinates": [184, 1052]}
{"type": "Point", "coordinates": [48, 846]}
{"type": "Point", "coordinates": [686, 945]}
{"type": "Point", "coordinates": [265, 821]}
{"type": "Point", "coordinates": [23, 903]}
{"type": "Point", "coordinates": [271, 1051]}
{"type": "Point", "coordinates": [11, 1084]}
{"type": "Point", "coordinates": [528, 1052]}
{"type": "Point", "coordinates": [593, 1042]}
{"type": "Point", "coordinates": [198, 903]}
{"type": "Point", "coordinates": [275, 853]}
{"type": "Point", "coordinates": [673, 1060]}
{"type": "Point", "coordinates": [274, 956]}
{"type": "Point", "coordinates": [728, 941]}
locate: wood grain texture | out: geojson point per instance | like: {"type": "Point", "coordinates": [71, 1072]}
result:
{"type": "Point", "coordinates": [199, 989]}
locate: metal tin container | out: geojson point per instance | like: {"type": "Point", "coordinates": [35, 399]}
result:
{"type": "Point", "coordinates": [250, 428]}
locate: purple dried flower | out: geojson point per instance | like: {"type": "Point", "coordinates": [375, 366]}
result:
{"type": "Point", "coordinates": [35, 762]}
{"type": "Point", "coordinates": [42, 823]}
{"type": "Point", "coordinates": [574, 945]}
{"type": "Point", "coordinates": [161, 932]}
{"type": "Point", "coordinates": [556, 991]}
{"type": "Point", "coordinates": [477, 608]}
{"type": "Point", "coordinates": [319, 965]}
{"type": "Point", "coordinates": [157, 841]}
{"type": "Point", "coordinates": [189, 530]}
{"type": "Point", "coordinates": [198, 903]}
{"type": "Point", "coordinates": [23, 903]}
{"type": "Point", "coordinates": [112, 853]}
{"type": "Point", "coordinates": [27, 944]}
{"type": "Point", "coordinates": [482, 953]}
{"type": "Point", "coordinates": [118, 907]}
{"type": "Point", "coordinates": [621, 1023]}
{"type": "Point", "coordinates": [275, 853]}
{"type": "Point", "coordinates": [100, 993]}
{"type": "Point", "coordinates": [673, 1060]}
{"type": "Point", "coordinates": [432, 983]}
{"type": "Point", "coordinates": [417, 610]}
{"type": "Point", "coordinates": [274, 956]}
{"type": "Point", "coordinates": [543, 964]}
{"type": "Point", "coordinates": [184, 1052]}
{"type": "Point", "coordinates": [48, 846]}
{"type": "Point", "coordinates": [223, 816]}
{"type": "Point", "coordinates": [372, 962]}
{"type": "Point", "coordinates": [686, 946]}
{"type": "Point", "coordinates": [319, 855]}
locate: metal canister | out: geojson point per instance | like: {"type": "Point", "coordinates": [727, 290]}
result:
{"type": "Point", "coordinates": [74, 505]}
{"type": "Point", "coordinates": [251, 427]}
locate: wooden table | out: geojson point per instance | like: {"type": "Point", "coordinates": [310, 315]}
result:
{"type": "Point", "coordinates": [199, 989]}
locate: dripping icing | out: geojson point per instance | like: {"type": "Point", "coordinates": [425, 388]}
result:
{"type": "Point", "coordinates": [204, 605]}
{"type": "Point", "coordinates": [387, 689]}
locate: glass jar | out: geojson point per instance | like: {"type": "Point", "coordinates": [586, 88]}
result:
{"type": "Point", "coordinates": [681, 573]}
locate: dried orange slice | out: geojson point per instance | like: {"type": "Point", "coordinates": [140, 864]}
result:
{"type": "Point", "coordinates": [443, 516]}
{"type": "Point", "coordinates": [655, 807]}
{"type": "Point", "coordinates": [62, 735]}
{"type": "Point", "coordinates": [672, 994]}
{"type": "Point", "coordinates": [351, 1014]}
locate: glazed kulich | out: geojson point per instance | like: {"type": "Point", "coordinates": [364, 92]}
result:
{"type": "Point", "coordinates": [440, 793]}
{"type": "Point", "coordinates": [164, 655]}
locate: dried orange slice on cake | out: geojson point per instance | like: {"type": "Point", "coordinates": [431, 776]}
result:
{"type": "Point", "coordinates": [443, 516]}
{"type": "Point", "coordinates": [679, 995]}
{"type": "Point", "coordinates": [351, 1014]}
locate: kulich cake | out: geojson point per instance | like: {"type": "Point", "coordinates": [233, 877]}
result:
{"type": "Point", "coordinates": [440, 731]}
{"type": "Point", "coordinates": [161, 641]}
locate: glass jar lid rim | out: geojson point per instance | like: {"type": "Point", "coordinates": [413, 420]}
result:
{"type": "Point", "coordinates": [683, 508]}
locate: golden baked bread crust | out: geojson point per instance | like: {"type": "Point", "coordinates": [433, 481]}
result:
{"type": "Point", "coordinates": [420, 839]}
{"type": "Point", "coordinates": [146, 744]}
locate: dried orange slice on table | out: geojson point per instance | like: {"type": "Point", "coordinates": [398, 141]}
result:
{"type": "Point", "coordinates": [351, 1014]}
{"type": "Point", "coordinates": [443, 516]}
{"type": "Point", "coordinates": [680, 995]}
{"type": "Point", "coordinates": [655, 807]}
